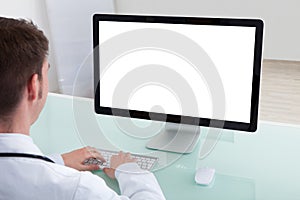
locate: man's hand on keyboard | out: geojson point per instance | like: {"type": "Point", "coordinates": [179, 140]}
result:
{"type": "Point", "coordinates": [75, 159]}
{"type": "Point", "coordinates": [116, 161]}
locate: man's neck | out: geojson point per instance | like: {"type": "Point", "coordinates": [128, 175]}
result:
{"type": "Point", "coordinates": [15, 125]}
{"type": "Point", "coordinates": [17, 122]}
{"type": "Point", "coordinates": [13, 129]}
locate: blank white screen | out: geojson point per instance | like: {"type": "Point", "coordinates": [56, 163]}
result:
{"type": "Point", "coordinates": [230, 48]}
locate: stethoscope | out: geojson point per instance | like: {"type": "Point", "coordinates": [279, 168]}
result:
{"type": "Point", "coordinates": [25, 155]}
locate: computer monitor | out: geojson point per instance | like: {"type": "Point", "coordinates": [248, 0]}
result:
{"type": "Point", "coordinates": [188, 71]}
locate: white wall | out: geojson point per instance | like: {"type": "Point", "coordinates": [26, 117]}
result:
{"type": "Point", "coordinates": [70, 23]}
{"type": "Point", "coordinates": [282, 35]}
{"type": "Point", "coordinates": [36, 11]}
{"type": "Point", "coordinates": [67, 24]}
{"type": "Point", "coordinates": [282, 30]}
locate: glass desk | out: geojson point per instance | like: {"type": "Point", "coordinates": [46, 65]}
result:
{"type": "Point", "coordinates": [259, 166]}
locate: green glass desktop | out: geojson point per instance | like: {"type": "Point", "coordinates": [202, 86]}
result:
{"type": "Point", "coordinates": [258, 166]}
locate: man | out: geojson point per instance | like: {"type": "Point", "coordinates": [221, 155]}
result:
{"type": "Point", "coordinates": [25, 172]}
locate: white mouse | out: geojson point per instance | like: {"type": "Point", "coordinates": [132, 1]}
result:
{"type": "Point", "coordinates": [204, 175]}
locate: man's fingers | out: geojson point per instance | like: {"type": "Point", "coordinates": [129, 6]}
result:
{"type": "Point", "coordinates": [90, 167]}
{"type": "Point", "coordinates": [93, 152]}
{"type": "Point", "coordinates": [99, 156]}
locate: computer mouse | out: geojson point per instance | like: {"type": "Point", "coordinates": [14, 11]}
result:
{"type": "Point", "coordinates": [204, 175]}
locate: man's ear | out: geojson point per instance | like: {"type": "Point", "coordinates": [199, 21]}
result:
{"type": "Point", "coordinates": [33, 88]}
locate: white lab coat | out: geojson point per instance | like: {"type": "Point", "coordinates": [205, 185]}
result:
{"type": "Point", "coordinates": [30, 178]}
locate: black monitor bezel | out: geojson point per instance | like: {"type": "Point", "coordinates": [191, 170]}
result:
{"type": "Point", "coordinates": [249, 127]}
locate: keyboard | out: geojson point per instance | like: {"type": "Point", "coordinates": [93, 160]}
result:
{"type": "Point", "coordinates": [144, 162]}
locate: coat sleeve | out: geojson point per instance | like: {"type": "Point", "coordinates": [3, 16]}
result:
{"type": "Point", "coordinates": [136, 183]}
{"type": "Point", "coordinates": [57, 158]}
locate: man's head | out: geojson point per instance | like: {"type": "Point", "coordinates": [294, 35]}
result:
{"type": "Point", "coordinates": [23, 56]}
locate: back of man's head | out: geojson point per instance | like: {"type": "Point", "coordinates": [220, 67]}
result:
{"type": "Point", "coordinates": [23, 49]}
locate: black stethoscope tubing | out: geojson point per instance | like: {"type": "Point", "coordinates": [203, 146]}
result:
{"type": "Point", "coordinates": [25, 155]}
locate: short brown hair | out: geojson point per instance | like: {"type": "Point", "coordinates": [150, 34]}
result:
{"type": "Point", "coordinates": [23, 49]}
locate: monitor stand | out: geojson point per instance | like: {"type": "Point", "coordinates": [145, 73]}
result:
{"type": "Point", "coordinates": [178, 138]}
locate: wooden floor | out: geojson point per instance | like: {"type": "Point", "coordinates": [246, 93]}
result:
{"type": "Point", "coordinates": [280, 91]}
